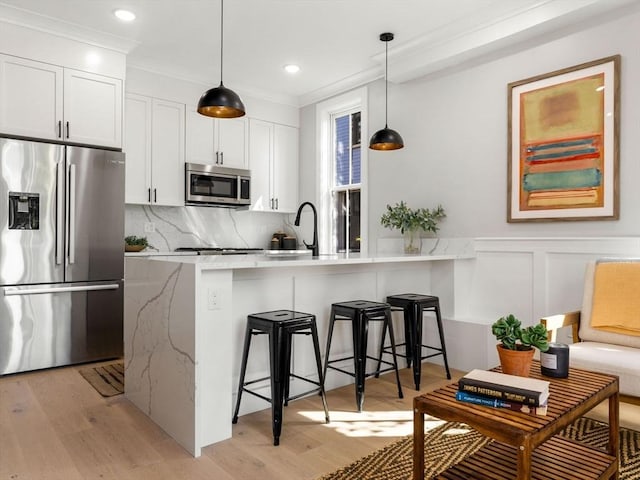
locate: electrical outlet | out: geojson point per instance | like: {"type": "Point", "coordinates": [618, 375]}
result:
{"type": "Point", "coordinates": [213, 299]}
{"type": "Point", "coordinates": [149, 227]}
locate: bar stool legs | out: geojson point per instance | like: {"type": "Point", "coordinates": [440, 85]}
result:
{"type": "Point", "coordinates": [280, 326]}
{"type": "Point", "coordinates": [413, 307]}
{"type": "Point", "coordinates": [360, 313]}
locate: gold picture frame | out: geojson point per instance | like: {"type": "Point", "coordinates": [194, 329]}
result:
{"type": "Point", "coordinates": [563, 144]}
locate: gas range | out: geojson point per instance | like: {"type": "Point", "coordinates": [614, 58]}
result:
{"type": "Point", "coordinates": [219, 250]}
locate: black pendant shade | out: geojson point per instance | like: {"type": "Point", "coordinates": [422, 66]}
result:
{"type": "Point", "coordinates": [221, 102]}
{"type": "Point", "coordinates": [387, 138]}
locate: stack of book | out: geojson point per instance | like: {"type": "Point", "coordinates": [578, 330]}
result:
{"type": "Point", "coordinates": [498, 390]}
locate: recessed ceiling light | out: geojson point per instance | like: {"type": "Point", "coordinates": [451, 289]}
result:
{"type": "Point", "coordinates": [125, 15]}
{"type": "Point", "coordinates": [291, 68]}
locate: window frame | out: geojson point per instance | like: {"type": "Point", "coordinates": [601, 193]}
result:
{"type": "Point", "coordinates": [355, 100]}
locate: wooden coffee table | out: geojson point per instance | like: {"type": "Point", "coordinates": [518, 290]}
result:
{"type": "Point", "coordinates": [525, 445]}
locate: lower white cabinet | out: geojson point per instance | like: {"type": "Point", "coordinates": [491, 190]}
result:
{"type": "Point", "coordinates": [155, 145]}
{"type": "Point", "coordinates": [273, 160]}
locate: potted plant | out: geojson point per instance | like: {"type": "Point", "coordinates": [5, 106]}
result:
{"type": "Point", "coordinates": [135, 244]}
{"type": "Point", "coordinates": [516, 347]}
{"type": "Point", "coordinates": [412, 222]}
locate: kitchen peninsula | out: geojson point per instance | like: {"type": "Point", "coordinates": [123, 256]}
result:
{"type": "Point", "coordinates": [185, 319]}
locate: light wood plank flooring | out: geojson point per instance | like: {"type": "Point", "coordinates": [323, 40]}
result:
{"type": "Point", "coordinates": [54, 425]}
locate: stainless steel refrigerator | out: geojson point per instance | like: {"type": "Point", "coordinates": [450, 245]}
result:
{"type": "Point", "coordinates": [61, 254]}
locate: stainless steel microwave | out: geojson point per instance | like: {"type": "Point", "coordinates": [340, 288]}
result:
{"type": "Point", "coordinates": [212, 185]}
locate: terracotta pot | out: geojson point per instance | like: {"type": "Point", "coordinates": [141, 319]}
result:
{"type": "Point", "coordinates": [515, 362]}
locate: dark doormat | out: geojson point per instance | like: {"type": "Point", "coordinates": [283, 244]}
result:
{"type": "Point", "coordinates": [107, 379]}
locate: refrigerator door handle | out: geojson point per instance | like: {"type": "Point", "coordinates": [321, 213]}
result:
{"type": "Point", "coordinates": [71, 189]}
{"type": "Point", "coordinates": [59, 212]}
{"type": "Point", "coordinates": [13, 291]}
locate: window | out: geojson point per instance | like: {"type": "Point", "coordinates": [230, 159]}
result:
{"type": "Point", "coordinates": [341, 162]}
{"type": "Point", "coordinates": [345, 191]}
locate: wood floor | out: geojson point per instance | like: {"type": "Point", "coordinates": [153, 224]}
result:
{"type": "Point", "coordinates": [54, 425]}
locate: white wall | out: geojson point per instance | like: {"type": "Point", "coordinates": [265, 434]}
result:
{"type": "Point", "coordinates": [455, 132]}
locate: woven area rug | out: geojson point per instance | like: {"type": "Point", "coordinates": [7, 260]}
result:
{"type": "Point", "coordinates": [108, 379]}
{"type": "Point", "coordinates": [450, 442]}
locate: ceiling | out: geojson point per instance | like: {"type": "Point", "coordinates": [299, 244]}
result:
{"type": "Point", "coordinates": [335, 42]}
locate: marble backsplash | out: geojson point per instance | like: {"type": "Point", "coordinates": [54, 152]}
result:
{"type": "Point", "coordinates": [202, 226]}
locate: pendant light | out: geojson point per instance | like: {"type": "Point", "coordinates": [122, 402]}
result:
{"type": "Point", "coordinates": [386, 139]}
{"type": "Point", "coordinates": [221, 102]}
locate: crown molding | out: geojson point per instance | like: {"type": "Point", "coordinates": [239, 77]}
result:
{"type": "Point", "coordinates": [454, 45]}
{"type": "Point", "coordinates": [60, 28]}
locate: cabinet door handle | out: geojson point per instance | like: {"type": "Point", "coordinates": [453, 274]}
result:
{"type": "Point", "coordinates": [221, 158]}
{"type": "Point", "coordinates": [149, 195]}
{"type": "Point", "coordinates": [271, 201]}
{"type": "Point", "coordinates": [276, 204]}
{"type": "Point", "coordinates": [155, 196]}
{"type": "Point", "coordinates": [59, 128]}
{"type": "Point", "coordinates": [67, 129]}
{"type": "Point", "coordinates": [217, 158]}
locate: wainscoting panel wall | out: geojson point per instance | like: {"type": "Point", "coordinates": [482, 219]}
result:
{"type": "Point", "coordinates": [530, 277]}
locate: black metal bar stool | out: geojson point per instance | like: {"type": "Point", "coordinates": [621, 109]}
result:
{"type": "Point", "coordinates": [280, 325]}
{"type": "Point", "coordinates": [360, 313]}
{"type": "Point", "coordinates": [414, 306]}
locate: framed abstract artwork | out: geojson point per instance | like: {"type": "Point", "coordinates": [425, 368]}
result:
{"type": "Point", "coordinates": [563, 159]}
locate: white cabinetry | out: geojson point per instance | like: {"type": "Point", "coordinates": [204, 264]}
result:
{"type": "Point", "coordinates": [216, 141]}
{"type": "Point", "coordinates": [273, 159]}
{"type": "Point", "coordinates": [46, 101]}
{"type": "Point", "coordinates": [154, 145]}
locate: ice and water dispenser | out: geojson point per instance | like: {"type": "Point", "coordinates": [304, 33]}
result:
{"type": "Point", "coordinates": [24, 211]}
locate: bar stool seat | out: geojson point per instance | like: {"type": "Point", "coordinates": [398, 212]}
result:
{"type": "Point", "coordinates": [360, 313]}
{"type": "Point", "coordinates": [414, 306]}
{"type": "Point", "coordinates": [280, 326]}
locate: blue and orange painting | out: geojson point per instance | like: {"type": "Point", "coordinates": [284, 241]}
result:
{"type": "Point", "coordinates": [562, 150]}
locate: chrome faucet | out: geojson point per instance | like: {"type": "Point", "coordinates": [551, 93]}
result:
{"type": "Point", "coordinates": [314, 246]}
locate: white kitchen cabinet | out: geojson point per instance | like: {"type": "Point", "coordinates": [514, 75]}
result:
{"type": "Point", "coordinates": [23, 112]}
{"type": "Point", "coordinates": [46, 101]}
{"type": "Point", "coordinates": [273, 159]}
{"type": "Point", "coordinates": [154, 145]}
{"type": "Point", "coordinates": [213, 141]}
{"type": "Point", "coordinates": [92, 109]}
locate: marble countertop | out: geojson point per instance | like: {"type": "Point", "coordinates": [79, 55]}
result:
{"type": "Point", "coordinates": [153, 253]}
{"type": "Point", "coordinates": [214, 262]}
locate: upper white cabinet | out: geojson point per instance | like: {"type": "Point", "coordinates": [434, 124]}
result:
{"type": "Point", "coordinates": [92, 109]}
{"type": "Point", "coordinates": [46, 101]}
{"type": "Point", "coordinates": [154, 145]}
{"type": "Point", "coordinates": [137, 147]}
{"type": "Point", "coordinates": [273, 159]}
{"type": "Point", "coordinates": [285, 168]}
{"type": "Point", "coordinates": [24, 112]}
{"type": "Point", "coordinates": [216, 141]}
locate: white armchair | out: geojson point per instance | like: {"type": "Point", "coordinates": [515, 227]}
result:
{"type": "Point", "coordinates": [604, 331]}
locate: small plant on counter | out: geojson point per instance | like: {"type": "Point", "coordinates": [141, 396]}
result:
{"type": "Point", "coordinates": [135, 244]}
{"type": "Point", "coordinates": [412, 223]}
{"type": "Point", "coordinates": [402, 217]}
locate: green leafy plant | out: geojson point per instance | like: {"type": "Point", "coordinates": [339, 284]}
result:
{"type": "Point", "coordinates": [402, 217]}
{"type": "Point", "coordinates": [508, 330]}
{"type": "Point", "coordinates": [133, 240]}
